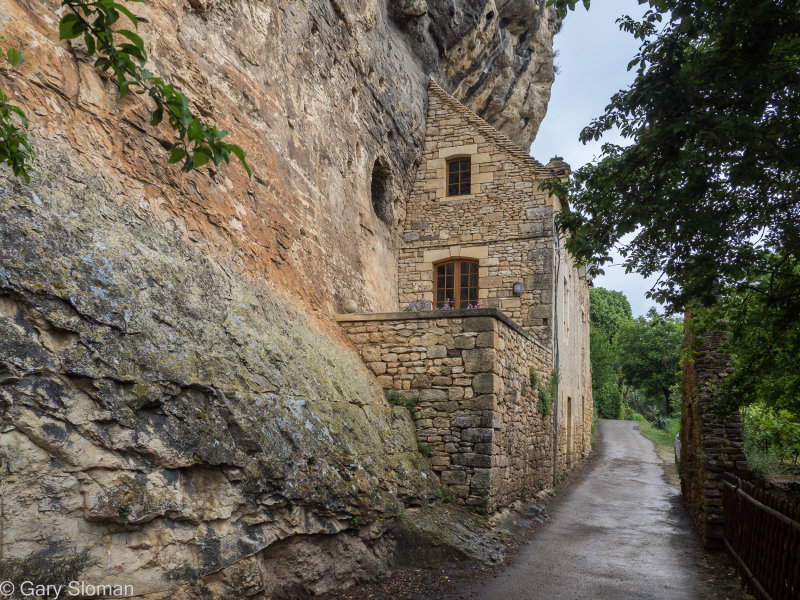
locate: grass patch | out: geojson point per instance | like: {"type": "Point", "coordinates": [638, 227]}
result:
{"type": "Point", "coordinates": [661, 437]}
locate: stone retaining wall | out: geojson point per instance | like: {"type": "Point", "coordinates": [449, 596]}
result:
{"type": "Point", "coordinates": [710, 443]}
{"type": "Point", "coordinates": [477, 410]}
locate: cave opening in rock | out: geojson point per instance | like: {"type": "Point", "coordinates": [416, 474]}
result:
{"type": "Point", "coordinates": [380, 191]}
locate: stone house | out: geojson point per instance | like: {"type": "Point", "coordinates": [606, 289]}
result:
{"type": "Point", "coordinates": [480, 246]}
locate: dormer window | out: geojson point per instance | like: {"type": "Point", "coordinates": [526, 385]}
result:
{"type": "Point", "coordinates": [459, 171]}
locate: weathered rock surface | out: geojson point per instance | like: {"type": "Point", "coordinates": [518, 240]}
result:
{"type": "Point", "coordinates": [169, 418]}
{"type": "Point", "coordinates": [173, 395]}
{"type": "Point", "coordinates": [496, 56]}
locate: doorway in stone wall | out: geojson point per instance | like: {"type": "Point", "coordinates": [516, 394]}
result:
{"type": "Point", "coordinates": [569, 430]}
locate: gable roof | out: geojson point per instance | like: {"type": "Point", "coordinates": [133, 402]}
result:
{"type": "Point", "coordinates": [520, 157]}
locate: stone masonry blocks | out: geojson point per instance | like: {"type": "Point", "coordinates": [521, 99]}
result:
{"type": "Point", "coordinates": [475, 410]}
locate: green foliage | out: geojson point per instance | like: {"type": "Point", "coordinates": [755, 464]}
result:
{"type": "Point", "coordinates": [14, 147]}
{"type": "Point", "coordinates": [662, 436]}
{"type": "Point", "coordinates": [605, 375]}
{"type": "Point", "coordinates": [548, 394]}
{"type": "Point", "coordinates": [396, 398]}
{"type": "Point", "coordinates": [660, 422]}
{"type": "Point", "coordinates": [122, 52]}
{"type": "Point", "coordinates": [649, 351]}
{"type": "Point", "coordinates": [771, 439]}
{"type": "Point", "coordinates": [608, 310]}
{"type": "Point", "coordinates": [534, 378]}
{"type": "Point", "coordinates": [562, 6]}
{"type": "Point", "coordinates": [355, 525]}
{"type": "Point", "coordinates": [445, 495]}
{"type": "Point", "coordinates": [764, 340]}
{"type": "Point", "coordinates": [424, 449]}
{"type": "Point", "coordinates": [708, 188]}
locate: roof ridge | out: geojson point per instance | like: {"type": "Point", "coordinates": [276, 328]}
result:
{"type": "Point", "coordinates": [497, 136]}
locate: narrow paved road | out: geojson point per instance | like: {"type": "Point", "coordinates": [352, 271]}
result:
{"type": "Point", "coordinates": [620, 534]}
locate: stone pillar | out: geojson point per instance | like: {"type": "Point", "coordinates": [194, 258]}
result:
{"type": "Point", "coordinates": [711, 443]}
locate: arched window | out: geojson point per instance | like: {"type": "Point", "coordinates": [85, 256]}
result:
{"type": "Point", "coordinates": [456, 283]}
{"type": "Point", "coordinates": [380, 191]}
{"type": "Point", "coordinates": [459, 174]}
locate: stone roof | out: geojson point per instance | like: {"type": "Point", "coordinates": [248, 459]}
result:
{"type": "Point", "coordinates": [517, 154]}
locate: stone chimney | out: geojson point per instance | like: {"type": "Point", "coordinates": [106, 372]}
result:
{"type": "Point", "coordinates": [559, 167]}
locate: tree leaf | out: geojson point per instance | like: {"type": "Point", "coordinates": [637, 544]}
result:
{"type": "Point", "coordinates": [137, 41]}
{"type": "Point", "coordinates": [177, 154]}
{"type": "Point", "coordinates": [127, 13]}
{"type": "Point", "coordinates": [68, 27]}
{"type": "Point", "coordinates": [14, 56]}
{"type": "Point", "coordinates": [158, 114]}
{"type": "Point", "coordinates": [90, 44]}
{"type": "Point", "coordinates": [200, 157]}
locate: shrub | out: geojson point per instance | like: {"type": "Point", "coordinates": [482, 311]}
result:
{"type": "Point", "coordinates": [424, 449]}
{"type": "Point", "coordinates": [548, 394]}
{"type": "Point", "coordinates": [396, 398]}
{"type": "Point", "coordinates": [446, 495]}
{"type": "Point", "coordinates": [355, 525]}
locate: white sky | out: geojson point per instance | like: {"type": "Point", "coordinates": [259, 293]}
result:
{"type": "Point", "coordinates": [593, 55]}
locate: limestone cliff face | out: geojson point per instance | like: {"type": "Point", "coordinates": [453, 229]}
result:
{"type": "Point", "coordinates": [173, 395]}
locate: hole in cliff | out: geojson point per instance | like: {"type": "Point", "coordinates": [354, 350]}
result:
{"type": "Point", "coordinates": [489, 16]}
{"type": "Point", "coordinates": [452, 12]}
{"type": "Point", "coordinates": [380, 190]}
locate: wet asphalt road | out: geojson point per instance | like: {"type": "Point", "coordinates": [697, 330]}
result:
{"type": "Point", "coordinates": [619, 534]}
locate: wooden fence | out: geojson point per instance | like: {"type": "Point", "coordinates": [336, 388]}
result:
{"type": "Point", "coordinates": [762, 534]}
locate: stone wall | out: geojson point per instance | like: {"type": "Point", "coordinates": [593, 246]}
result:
{"type": "Point", "coordinates": [710, 443]}
{"type": "Point", "coordinates": [477, 409]}
{"type": "Point", "coordinates": [571, 338]}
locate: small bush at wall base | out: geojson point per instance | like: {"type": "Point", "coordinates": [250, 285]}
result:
{"type": "Point", "coordinates": [424, 449]}
{"type": "Point", "coordinates": [446, 495]}
{"type": "Point", "coordinates": [548, 394]}
{"type": "Point", "coordinates": [395, 398]}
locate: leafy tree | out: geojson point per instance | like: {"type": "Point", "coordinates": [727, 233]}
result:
{"type": "Point", "coordinates": [649, 351]}
{"type": "Point", "coordinates": [708, 187]}
{"type": "Point", "coordinates": [764, 345]}
{"type": "Point", "coordinates": [608, 310]}
{"type": "Point", "coordinates": [605, 377]}
{"type": "Point", "coordinates": [121, 51]}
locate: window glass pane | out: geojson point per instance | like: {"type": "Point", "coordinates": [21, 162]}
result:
{"type": "Point", "coordinates": [458, 177]}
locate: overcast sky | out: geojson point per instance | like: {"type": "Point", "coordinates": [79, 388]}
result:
{"type": "Point", "coordinates": [592, 58]}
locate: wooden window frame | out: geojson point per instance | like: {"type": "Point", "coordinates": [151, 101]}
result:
{"type": "Point", "coordinates": [463, 183]}
{"type": "Point", "coordinates": [455, 300]}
